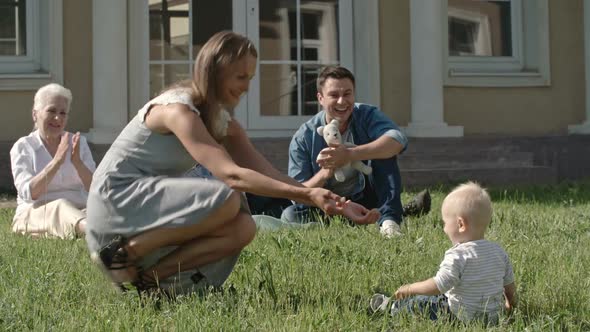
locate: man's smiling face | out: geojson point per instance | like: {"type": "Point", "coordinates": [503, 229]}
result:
{"type": "Point", "coordinates": [337, 99]}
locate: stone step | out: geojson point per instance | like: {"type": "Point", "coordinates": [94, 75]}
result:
{"type": "Point", "coordinates": [8, 204]}
{"type": "Point", "coordinates": [489, 176]}
{"type": "Point", "coordinates": [462, 145]}
{"type": "Point", "coordinates": [473, 159]}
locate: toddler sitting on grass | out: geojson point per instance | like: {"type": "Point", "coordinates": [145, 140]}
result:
{"type": "Point", "coordinates": [475, 280]}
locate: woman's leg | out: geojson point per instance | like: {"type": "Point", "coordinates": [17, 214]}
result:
{"type": "Point", "coordinates": [228, 240]}
{"type": "Point", "coordinates": [146, 242]}
{"type": "Point", "coordinates": [80, 228]}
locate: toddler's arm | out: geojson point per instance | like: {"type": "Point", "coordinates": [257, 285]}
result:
{"type": "Point", "coordinates": [510, 294]}
{"type": "Point", "coordinates": [426, 287]}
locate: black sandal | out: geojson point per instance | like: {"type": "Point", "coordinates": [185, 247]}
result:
{"type": "Point", "coordinates": [145, 282]}
{"type": "Point", "coordinates": [148, 287]}
{"type": "Point", "coordinates": [114, 257]}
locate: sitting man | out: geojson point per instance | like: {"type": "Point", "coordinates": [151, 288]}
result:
{"type": "Point", "coordinates": [377, 140]}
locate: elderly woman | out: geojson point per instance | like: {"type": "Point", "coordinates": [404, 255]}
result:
{"type": "Point", "coordinates": [52, 170]}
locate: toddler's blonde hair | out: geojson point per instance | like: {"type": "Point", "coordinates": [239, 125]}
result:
{"type": "Point", "coordinates": [470, 201]}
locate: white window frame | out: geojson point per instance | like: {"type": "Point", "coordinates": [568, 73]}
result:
{"type": "Point", "coordinates": [190, 60]}
{"type": "Point", "coordinates": [364, 54]}
{"type": "Point", "coordinates": [257, 121]}
{"type": "Point", "coordinates": [529, 63]}
{"type": "Point", "coordinates": [31, 61]}
{"type": "Point", "coordinates": [44, 60]}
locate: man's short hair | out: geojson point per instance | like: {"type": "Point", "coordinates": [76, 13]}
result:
{"type": "Point", "coordinates": [335, 72]}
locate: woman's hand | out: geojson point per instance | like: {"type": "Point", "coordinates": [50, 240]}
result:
{"type": "Point", "coordinates": [76, 160]}
{"type": "Point", "coordinates": [326, 200]}
{"type": "Point", "coordinates": [62, 149]}
{"type": "Point", "coordinates": [83, 171]}
{"type": "Point", "coordinates": [359, 214]}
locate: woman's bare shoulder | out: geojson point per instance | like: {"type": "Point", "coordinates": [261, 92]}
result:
{"type": "Point", "coordinates": [161, 118]}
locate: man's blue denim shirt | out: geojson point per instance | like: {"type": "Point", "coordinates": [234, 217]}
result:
{"type": "Point", "coordinates": [367, 124]}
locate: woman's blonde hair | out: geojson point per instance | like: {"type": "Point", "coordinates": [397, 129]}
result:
{"type": "Point", "coordinates": [222, 49]}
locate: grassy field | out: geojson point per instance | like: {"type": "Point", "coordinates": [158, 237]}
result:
{"type": "Point", "coordinates": [318, 279]}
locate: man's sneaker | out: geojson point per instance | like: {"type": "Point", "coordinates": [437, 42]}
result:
{"type": "Point", "coordinates": [390, 229]}
{"type": "Point", "coordinates": [419, 205]}
{"type": "Point", "coordinates": [379, 303]}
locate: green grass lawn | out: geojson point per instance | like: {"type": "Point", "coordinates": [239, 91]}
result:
{"type": "Point", "coordinates": [317, 279]}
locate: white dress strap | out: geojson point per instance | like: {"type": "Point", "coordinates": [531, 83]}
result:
{"type": "Point", "coordinates": [172, 96]}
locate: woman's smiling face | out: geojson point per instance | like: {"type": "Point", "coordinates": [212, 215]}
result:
{"type": "Point", "coordinates": [51, 120]}
{"type": "Point", "coordinates": [235, 80]}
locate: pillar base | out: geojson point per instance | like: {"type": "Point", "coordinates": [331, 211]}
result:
{"type": "Point", "coordinates": [583, 128]}
{"type": "Point", "coordinates": [102, 135]}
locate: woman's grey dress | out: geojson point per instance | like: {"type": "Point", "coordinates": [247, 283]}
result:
{"type": "Point", "coordinates": [141, 184]}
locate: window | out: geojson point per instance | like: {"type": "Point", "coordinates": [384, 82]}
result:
{"type": "Point", "coordinates": [13, 28]}
{"type": "Point", "coordinates": [497, 43]}
{"type": "Point", "coordinates": [177, 31]}
{"type": "Point", "coordinates": [30, 43]}
{"type": "Point", "coordinates": [296, 39]}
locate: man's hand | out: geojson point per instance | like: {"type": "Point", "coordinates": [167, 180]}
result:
{"type": "Point", "coordinates": [334, 157]}
{"type": "Point", "coordinates": [359, 214]}
{"type": "Point", "coordinates": [326, 173]}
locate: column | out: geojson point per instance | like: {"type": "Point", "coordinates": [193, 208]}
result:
{"type": "Point", "coordinates": [584, 128]}
{"type": "Point", "coordinates": [109, 70]}
{"type": "Point", "coordinates": [427, 120]}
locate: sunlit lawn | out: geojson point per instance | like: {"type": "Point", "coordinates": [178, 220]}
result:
{"type": "Point", "coordinates": [317, 279]}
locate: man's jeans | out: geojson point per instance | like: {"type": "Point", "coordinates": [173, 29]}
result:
{"type": "Point", "coordinates": [382, 191]}
{"type": "Point", "coordinates": [267, 205]}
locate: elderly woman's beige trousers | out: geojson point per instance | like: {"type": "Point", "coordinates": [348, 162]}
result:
{"type": "Point", "coordinates": [57, 218]}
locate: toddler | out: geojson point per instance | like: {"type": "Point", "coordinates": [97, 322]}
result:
{"type": "Point", "coordinates": [475, 279]}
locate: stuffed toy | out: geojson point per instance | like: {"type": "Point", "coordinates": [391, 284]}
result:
{"type": "Point", "coordinates": [331, 134]}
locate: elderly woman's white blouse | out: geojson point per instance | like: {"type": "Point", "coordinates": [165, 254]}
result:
{"type": "Point", "coordinates": [29, 157]}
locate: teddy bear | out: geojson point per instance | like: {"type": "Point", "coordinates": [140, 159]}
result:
{"type": "Point", "coordinates": [331, 134]}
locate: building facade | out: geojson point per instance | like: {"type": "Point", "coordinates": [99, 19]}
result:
{"type": "Point", "coordinates": [438, 68]}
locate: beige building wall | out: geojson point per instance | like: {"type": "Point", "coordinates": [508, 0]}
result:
{"type": "Point", "coordinates": [394, 35]}
{"type": "Point", "coordinates": [77, 42]}
{"type": "Point", "coordinates": [16, 111]}
{"type": "Point", "coordinates": [531, 111]}
{"type": "Point", "coordinates": [507, 111]}
{"type": "Point", "coordinates": [78, 61]}
{"type": "Point", "coordinates": [502, 111]}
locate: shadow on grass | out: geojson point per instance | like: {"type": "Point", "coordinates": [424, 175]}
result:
{"type": "Point", "coordinates": [569, 193]}
{"type": "Point", "coordinates": [8, 192]}
{"type": "Point", "coordinates": [560, 320]}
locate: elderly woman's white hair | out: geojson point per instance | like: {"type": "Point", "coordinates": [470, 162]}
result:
{"type": "Point", "coordinates": [45, 93]}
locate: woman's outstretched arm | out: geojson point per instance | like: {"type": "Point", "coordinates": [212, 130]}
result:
{"type": "Point", "coordinates": [243, 152]}
{"type": "Point", "coordinates": [179, 120]}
